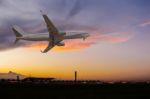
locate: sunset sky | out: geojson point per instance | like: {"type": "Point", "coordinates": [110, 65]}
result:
{"type": "Point", "coordinates": [118, 48]}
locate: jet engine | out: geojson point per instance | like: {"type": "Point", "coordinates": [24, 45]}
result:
{"type": "Point", "coordinates": [61, 44]}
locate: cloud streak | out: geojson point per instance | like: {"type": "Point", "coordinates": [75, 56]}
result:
{"type": "Point", "coordinates": [146, 23]}
{"type": "Point", "coordinates": [76, 8]}
{"type": "Point", "coordinates": [79, 44]}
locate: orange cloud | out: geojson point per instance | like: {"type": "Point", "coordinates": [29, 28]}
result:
{"type": "Point", "coordinates": [119, 39]}
{"type": "Point", "coordinates": [116, 39]}
{"type": "Point", "coordinates": [69, 45]}
{"type": "Point", "coordinates": [79, 44]}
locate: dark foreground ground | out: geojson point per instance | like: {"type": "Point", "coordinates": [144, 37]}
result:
{"type": "Point", "coordinates": [74, 91]}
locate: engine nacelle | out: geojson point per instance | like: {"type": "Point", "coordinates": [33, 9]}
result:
{"type": "Point", "coordinates": [62, 34]}
{"type": "Point", "coordinates": [61, 44]}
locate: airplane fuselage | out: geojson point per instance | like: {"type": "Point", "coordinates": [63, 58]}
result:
{"type": "Point", "coordinates": [45, 36]}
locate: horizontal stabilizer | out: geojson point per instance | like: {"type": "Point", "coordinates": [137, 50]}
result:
{"type": "Point", "coordinates": [18, 33]}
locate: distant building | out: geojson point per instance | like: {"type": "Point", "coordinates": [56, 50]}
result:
{"type": "Point", "coordinates": [38, 79]}
{"type": "Point", "coordinates": [11, 76]}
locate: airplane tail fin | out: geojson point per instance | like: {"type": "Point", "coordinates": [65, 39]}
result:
{"type": "Point", "coordinates": [17, 31]}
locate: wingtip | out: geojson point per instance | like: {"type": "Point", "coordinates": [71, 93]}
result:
{"type": "Point", "coordinates": [42, 51]}
{"type": "Point", "coordinates": [42, 12]}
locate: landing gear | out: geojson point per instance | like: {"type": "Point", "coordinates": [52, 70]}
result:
{"type": "Point", "coordinates": [84, 38]}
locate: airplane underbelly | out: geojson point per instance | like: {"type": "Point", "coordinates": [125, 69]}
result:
{"type": "Point", "coordinates": [40, 39]}
{"type": "Point", "coordinates": [73, 37]}
{"type": "Point", "coordinates": [36, 38]}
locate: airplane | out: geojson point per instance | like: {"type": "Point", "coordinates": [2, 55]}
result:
{"type": "Point", "coordinates": [54, 37]}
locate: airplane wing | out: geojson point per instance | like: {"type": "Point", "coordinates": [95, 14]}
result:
{"type": "Point", "coordinates": [50, 26]}
{"type": "Point", "coordinates": [50, 46]}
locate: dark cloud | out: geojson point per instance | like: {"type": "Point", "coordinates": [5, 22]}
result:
{"type": "Point", "coordinates": [11, 16]}
{"type": "Point", "coordinates": [76, 8]}
{"type": "Point", "coordinates": [71, 26]}
{"type": "Point", "coordinates": [1, 2]}
{"type": "Point", "coordinates": [7, 36]}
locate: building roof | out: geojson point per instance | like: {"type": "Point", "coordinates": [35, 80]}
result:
{"type": "Point", "coordinates": [11, 75]}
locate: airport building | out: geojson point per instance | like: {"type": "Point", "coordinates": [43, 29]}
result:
{"type": "Point", "coordinates": [11, 76]}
